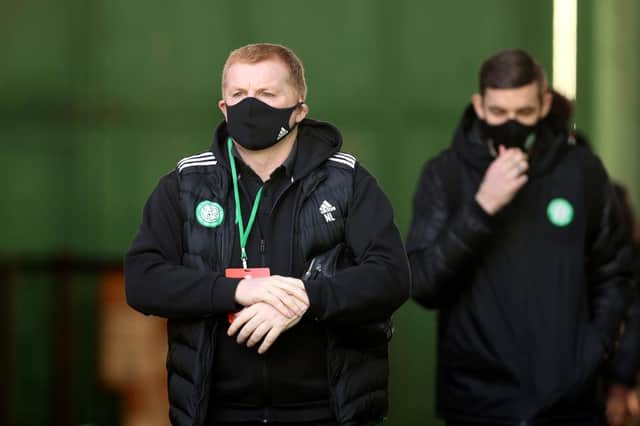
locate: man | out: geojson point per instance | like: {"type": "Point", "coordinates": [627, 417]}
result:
{"type": "Point", "coordinates": [225, 240]}
{"type": "Point", "coordinates": [622, 394]}
{"type": "Point", "coordinates": [622, 368]}
{"type": "Point", "coordinates": [515, 242]}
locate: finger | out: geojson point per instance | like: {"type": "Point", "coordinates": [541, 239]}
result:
{"type": "Point", "coordinates": [247, 330]}
{"type": "Point", "coordinates": [295, 293]}
{"type": "Point", "coordinates": [507, 161]}
{"type": "Point", "coordinates": [517, 159]}
{"type": "Point", "coordinates": [519, 182]}
{"type": "Point", "coordinates": [292, 323]}
{"type": "Point", "coordinates": [290, 292]}
{"type": "Point", "coordinates": [280, 300]}
{"type": "Point", "coordinates": [511, 152]}
{"type": "Point", "coordinates": [506, 168]}
{"type": "Point", "coordinates": [259, 333]}
{"type": "Point", "coordinates": [241, 319]}
{"type": "Point", "coordinates": [518, 170]}
{"type": "Point", "coordinates": [299, 293]}
{"type": "Point", "coordinates": [518, 156]}
{"type": "Point", "coordinates": [270, 339]}
{"type": "Point", "coordinates": [302, 307]}
{"type": "Point", "coordinates": [295, 300]}
{"type": "Point", "coordinates": [513, 173]}
{"type": "Point", "coordinates": [302, 304]}
{"type": "Point", "coordinates": [501, 150]}
{"type": "Point", "coordinates": [297, 306]}
{"type": "Point", "coordinates": [504, 153]}
{"type": "Point", "coordinates": [521, 155]}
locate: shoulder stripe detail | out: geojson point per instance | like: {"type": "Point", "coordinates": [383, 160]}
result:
{"type": "Point", "coordinates": [205, 162]}
{"type": "Point", "coordinates": [345, 156]}
{"type": "Point", "coordinates": [196, 160]}
{"type": "Point", "coordinates": [195, 157]}
{"type": "Point", "coordinates": [351, 164]}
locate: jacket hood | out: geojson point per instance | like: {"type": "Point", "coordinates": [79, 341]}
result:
{"type": "Point", "coordinates": [470, 144]}
{"type": "Point", "coordinates": [316, 140]}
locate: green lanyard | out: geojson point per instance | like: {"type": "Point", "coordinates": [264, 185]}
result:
{"type": "Point", "coordinates": [244, 233]}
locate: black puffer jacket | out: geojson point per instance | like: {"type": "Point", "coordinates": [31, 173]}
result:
{"type": "Point", "coordinates": [175, 266]}
{"type": "Point", "coordinates": [527, 308]}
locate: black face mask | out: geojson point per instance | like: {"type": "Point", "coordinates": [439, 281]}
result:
{"type": "Point", "coordinates": [512, 134]}
{"type": "Point", "coordinates": [256, 125]}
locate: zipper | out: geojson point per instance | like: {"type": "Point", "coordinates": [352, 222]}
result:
{"type": "Point", "coordinates": [280, 195]}
{"type": "Point", "coordinates": [307, 274]}
{"type": "Point", "coordinates": [262, 251]}
{"type": "Point", "coordinates": [301, 197]}
{"type": "Point", "coordinates": [296, 209]}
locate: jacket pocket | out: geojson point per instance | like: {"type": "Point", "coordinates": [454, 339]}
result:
{"type": "Point", "coordinates": [591, 357]}
{"type": "Point", "coordinates": [593, 352]}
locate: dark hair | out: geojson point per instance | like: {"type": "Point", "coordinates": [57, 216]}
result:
{"type": "Point", "coordinates": [561, 106]}
{"type": "Point", "coordinates": [510, 69]}
{"type": "Point", "coordinates": [561, 111]}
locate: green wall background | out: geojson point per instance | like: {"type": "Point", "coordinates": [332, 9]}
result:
{"type": "Point", "coordinates": [99, 99]}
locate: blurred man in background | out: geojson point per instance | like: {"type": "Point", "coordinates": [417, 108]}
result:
{"type": "Point", "coordinates": [515, 241]}
{"type": "Point", "coordinates": [620, 375]}
{"type": "Point", "coordinates": [622, 378]}
{"type": "Point", "coordinates": [225, 240]}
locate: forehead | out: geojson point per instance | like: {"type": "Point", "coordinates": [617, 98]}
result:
{"type": "Point", "coordinates": [515, 98]}
{"type": "Point", "coordinates": [268, 73]}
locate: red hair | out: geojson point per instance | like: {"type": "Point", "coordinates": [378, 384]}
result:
{"type": "Point", "coordinates": [254, 53]}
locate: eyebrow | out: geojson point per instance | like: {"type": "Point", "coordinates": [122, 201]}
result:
{"type": "Point", "coordinates": [496, 108]}
{"type": "Point", "coordinates": [268, 89]}
{"type": "Point", "coordinates": [525, 109]}
{"type": "Point", "coordinates": [519, 110]}
{"type": "Point", "coordinates": [262, 89]}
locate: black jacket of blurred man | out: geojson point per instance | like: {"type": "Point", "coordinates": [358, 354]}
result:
{"type": "Point", "coordinates": [308, 341]}
{"type": "Point", "coordinates": [515, 241]}
{"type": "Point", "coordinates": [621, 378]}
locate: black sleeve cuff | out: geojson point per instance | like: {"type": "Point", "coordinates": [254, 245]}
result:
{"type": "Point", "coordinates": [223, 295]}
{"type": "Point", "coordinates": [314, 292]}
{"type": "Point", "coordinates": [480, 214]}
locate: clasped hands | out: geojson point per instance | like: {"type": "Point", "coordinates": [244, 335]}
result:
{"type": "Point", "coordinates": [272, 305]}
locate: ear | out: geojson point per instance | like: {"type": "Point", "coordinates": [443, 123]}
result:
{"type": "Point", "coordinates": [476, 100]}
{"type": "Point", "coordinates": [301, 112]}
{"type": "Point", "coordinates": [222, 106]}
{"type": "Point", "coordinates": [547, 98]}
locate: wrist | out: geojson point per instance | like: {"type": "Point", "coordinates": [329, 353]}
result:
{"type": "Point", "coordinates": [238, 293]}
{"type": "Point", "coordinates": [487, 204]}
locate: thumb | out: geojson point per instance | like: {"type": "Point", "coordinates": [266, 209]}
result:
{"type": "Point", "coordinates": [501, 149]}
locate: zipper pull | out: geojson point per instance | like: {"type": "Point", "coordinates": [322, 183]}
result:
{"type": "Point", "coordinates": [262, 250]}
